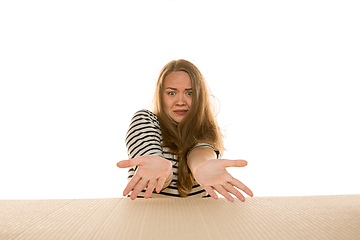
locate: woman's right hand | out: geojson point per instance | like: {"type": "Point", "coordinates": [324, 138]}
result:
{"type": "Point", "coordinates": [152, 171]}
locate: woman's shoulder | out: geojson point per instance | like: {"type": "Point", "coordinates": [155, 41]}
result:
{"type": "Point", "coordinates": [145, 115]}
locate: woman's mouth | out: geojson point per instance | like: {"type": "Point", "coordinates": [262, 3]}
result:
{"type": "Point", "coordinates": [180, 112]}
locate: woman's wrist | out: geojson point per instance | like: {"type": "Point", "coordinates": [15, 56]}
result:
{"type": "Point", "coordinates": [198, 156]}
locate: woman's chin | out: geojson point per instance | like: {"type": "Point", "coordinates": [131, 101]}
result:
{"type": "Point", "coordinates": [177, 119]}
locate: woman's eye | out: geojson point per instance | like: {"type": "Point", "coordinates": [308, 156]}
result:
{"type": "Point", "coordinates": [189, 93]}
{"type": "Point", "coordinates": [171, 93]}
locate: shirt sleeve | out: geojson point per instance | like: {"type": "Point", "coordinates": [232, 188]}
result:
{"type": "Point", "coordinates": [218, 153]}
{"type": "Point", "coordinates": [143, 137]}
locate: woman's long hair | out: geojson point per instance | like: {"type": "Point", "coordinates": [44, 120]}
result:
{"type": "Point", "coordinates": [199, 124]}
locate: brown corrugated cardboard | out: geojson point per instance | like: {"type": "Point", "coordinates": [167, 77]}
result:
{"type": "Point", "coordinates": [311, 217]}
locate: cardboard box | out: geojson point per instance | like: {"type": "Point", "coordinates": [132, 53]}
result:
{"type": "Point", "coordinates": [311, 217]}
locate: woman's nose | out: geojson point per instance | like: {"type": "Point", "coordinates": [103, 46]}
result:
{"type": "Point", "coordinates": [180, 100]}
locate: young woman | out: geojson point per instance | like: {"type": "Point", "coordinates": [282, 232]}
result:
{"type": "Point", "coordinates": [176, 149]}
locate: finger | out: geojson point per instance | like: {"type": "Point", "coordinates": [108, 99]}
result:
{"type": "Point", "coordinates": [242, 186]}
{"type": "Point", "coordinates": [130, 162]}
{"type": "Point", "coordinates": [228, 187]}
{"type": "Point", "coordinates": [211, 192]}
{"type": "Point", "coordinates": [160, 184]}
{"type": "Point", "coordinates": [150, 188]}
{"type": "Point", "coordinates": [124, 164]}
{"type": "Point", "coordinates": [138, 188]}
{"type": "Point", "coordinates": [131, 185]}
{"type": "Point", "coordinates": [219, 188]}
{"type": "Point", "coordinates": [234, 163]}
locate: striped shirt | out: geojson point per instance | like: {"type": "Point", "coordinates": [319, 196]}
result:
{"type": "Point", "coordinates": [144, 138]}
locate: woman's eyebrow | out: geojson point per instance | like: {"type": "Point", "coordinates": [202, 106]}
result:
{"type": "Point", "coordinates": [186, 89]}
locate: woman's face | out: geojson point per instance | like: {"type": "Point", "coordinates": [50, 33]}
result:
{"type": "Point", "coordinates": [177, 95]}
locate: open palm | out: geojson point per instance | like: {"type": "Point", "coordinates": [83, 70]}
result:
{"type": "Point", "coordinates": [212, 175]}
{"type": "Point", "coordinates": [152, 172]}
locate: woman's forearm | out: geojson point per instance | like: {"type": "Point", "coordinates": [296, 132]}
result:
{"type": "Point", "coordinates": [198, 156]}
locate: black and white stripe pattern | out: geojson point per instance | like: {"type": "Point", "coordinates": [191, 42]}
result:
{"type": "Point", "coordinates": [144, 138]}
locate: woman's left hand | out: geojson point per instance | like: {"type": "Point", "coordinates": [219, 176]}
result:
{"type": "Point", "coordinates": [212, 175]}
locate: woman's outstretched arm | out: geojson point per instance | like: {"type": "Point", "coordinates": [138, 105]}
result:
{"type": "Point", "coordinates": [146, 162]}
{"type": "Point", "coordinates": [211, 174]}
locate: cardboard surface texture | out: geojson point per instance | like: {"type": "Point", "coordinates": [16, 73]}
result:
{"type": "Point", "coordinates": [310, 217]}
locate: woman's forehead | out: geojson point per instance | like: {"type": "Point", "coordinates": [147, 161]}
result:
{"type": "Point", "coordinates": [177, 79]}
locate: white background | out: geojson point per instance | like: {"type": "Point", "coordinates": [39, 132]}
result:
{"type": "Point", "coordinates": [73, 73]}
